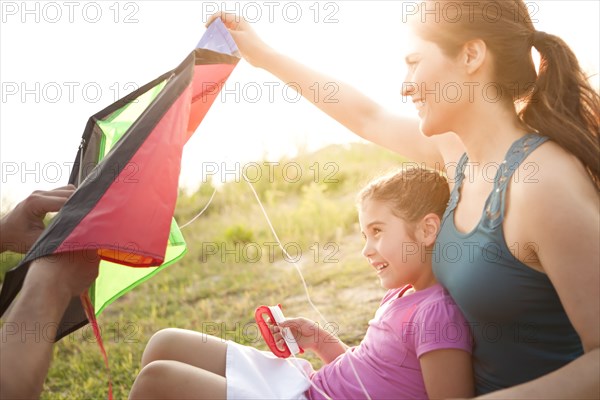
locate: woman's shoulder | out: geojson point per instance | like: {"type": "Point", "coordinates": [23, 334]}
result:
{"type": "Point", "coordinates": [550, 181]}
{"type": "Point", "coordinates": [547, 172]}
{"type": "Point", "coordinates": [550, 166]}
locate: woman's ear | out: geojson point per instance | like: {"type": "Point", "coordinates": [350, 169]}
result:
{"type": "Point", "coordinates": [429, 228]}
{"type": "Point", "coordinates": [474, 54]}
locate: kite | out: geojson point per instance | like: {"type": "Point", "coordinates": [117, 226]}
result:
{"type": "Point", "coordinates": [127, 173]}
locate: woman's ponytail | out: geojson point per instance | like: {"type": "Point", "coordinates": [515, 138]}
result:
{"type": "Point", "coordinates": [563, 105]}
{"type": "Point", "coordinates": [558, 102]}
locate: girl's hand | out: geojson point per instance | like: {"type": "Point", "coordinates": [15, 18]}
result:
{"type": "Point", "coordinates": [249, 43]}
{"type": "Point", "coordinates": [305, 332]}
{"type": "Point", "coordinates": [310, 336]}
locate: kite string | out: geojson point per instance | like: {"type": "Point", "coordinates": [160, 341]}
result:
{"type": "Point", "coordinates": [304, 284]}
{"type": "Point", "coordinates": [202, 211]}
{"type": "Point", "coordinates": [321, 392]}
{"type": "Point", "coordinates": [314, 307]}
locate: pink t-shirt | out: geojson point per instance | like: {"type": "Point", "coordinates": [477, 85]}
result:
{"type": "Point", "coordinates": [387, 359]}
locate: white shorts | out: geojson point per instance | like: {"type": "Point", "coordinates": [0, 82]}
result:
{"type": "Point", "coordinates": [256, 375]}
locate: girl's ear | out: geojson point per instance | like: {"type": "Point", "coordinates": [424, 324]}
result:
{"type": "Point", "coordinates": [429, 228]}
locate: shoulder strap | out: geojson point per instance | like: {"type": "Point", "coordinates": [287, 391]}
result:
{"type": "Point", "coordinates": [495, 203]}
{"type": "Point", "coordinates": [458, 179]}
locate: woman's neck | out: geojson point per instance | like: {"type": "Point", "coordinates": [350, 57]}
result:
{"type": "Point", "coordinates": [488, 132]}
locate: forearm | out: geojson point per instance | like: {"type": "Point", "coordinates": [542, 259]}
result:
{"type": "Point", "coordinates": [28, 334]}
{"type": "Point", "coordinates": [328, 346]}
{"type": "Point", "coordinates": [357, 112]}
{"type": "Point", "coordinates": [576, 380]}
{"type": "Point", "coordinates": [338, 99]}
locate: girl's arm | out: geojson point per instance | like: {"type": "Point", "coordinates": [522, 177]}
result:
{"type": "Point", "coordinates": [447, 373]}
{"type": "Point", "coordinates": [310, 336]}
{"type": "Point", "coordinates": [560, 217]}
{"type": "Point", "coordinates": [350, 107]}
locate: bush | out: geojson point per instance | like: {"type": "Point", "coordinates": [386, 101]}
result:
{"type": "Point", "coordinates": [238, 234]}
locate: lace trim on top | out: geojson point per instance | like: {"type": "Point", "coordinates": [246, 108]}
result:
{"type": "Point", "coordinates": [495, 203]}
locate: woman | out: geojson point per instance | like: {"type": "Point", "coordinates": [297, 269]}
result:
{"type": "Point", "coordinates": [525, 265]}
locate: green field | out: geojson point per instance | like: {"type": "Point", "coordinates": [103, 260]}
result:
{"type": "Point", "coordinates": [232, 266]}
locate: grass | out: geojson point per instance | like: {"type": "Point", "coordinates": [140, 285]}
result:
{"type": "Point", "coordinates": [314, 215]}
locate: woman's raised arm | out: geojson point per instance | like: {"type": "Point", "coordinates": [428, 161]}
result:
{"type": "Point", "coordinates": [348, 106]}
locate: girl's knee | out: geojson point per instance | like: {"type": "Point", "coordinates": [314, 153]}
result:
{"type": "Point", "coordinates": [168, 379]}
{"type": "Point", "coordinates": [150, 382]}
{"type": "Point", "coordinates": [159, 345]}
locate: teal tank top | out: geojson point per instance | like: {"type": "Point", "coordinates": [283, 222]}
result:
{"type": "Point", "coordinates": [520, 328]}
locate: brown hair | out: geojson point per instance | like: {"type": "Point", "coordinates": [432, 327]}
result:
{"type": "Point", "coordinates": [559, 102]}
{"type": "Point", "coordinates": [411, 193]}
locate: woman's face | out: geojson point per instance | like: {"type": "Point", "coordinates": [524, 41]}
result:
{"type": "Point", "coordinates": [436, 85]}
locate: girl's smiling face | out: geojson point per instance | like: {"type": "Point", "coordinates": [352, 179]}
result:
{"type": "Point", "coordinates": [397, 257]}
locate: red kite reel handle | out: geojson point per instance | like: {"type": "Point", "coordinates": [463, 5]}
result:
{"type": "Point", "coordinates": [276, 315]}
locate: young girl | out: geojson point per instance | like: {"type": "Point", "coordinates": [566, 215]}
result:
{"type": "Point", "coordinates": [518, 249]}
{"type": "Point", "coordinates": [418, 345]}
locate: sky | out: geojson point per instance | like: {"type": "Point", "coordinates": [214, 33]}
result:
{"type": "Point", "coordinates": [63, 61]}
